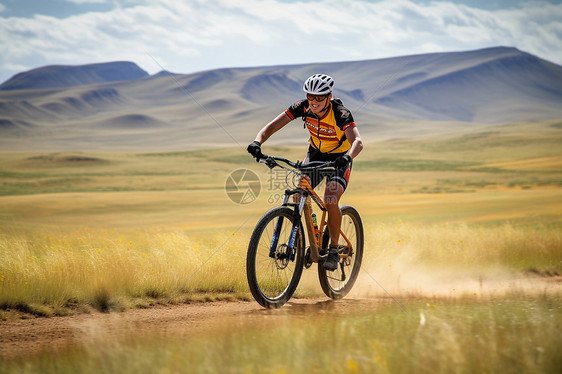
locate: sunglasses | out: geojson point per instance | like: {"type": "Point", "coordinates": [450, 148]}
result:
{"type": "Point", "coordinates": [318, 98]}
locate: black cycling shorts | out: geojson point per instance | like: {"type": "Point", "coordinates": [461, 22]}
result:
{"type": "Point", "coordinates": [340, 175]}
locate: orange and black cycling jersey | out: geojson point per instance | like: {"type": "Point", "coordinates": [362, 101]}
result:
{"type": "Point", "coordinates": [327, 134]}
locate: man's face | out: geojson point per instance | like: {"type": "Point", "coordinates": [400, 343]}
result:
{"type": "Point", "coordinates": [317, 102]}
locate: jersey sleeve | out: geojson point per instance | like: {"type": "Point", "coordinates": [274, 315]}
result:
{"type": "Point", "coordinates": [298, 109]}
{"type": "Point", "coordinates": [344, 118]}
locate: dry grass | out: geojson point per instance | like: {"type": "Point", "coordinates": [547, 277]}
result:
{"type": "Point", "coordinates": [45, 275]}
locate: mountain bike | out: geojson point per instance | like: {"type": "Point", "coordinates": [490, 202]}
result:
{"type": "Point", "coordinates": [277, 252]}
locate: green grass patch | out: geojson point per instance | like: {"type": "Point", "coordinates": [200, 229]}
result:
{"type": "Point", "coordinates": [400, 164]}
{"type": "Point", "coordinates": [239, 159]}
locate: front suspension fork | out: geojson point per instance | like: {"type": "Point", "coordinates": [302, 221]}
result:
{"type": "Point", "coordinates": [294, 229]}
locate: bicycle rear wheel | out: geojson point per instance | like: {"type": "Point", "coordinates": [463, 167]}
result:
{"type": "Point", "coordinates": [272, 268]}
{"type": "Point", "coordinates": [336, 284]}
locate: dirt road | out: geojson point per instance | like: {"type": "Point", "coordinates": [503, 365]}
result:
{"type": "Point", "coordinates": [26, 337]}
{"type": "Point", "coordinates": [32, 336]}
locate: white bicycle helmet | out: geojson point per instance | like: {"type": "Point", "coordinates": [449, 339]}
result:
{"type": "Point", "coordinates": [318, 84]}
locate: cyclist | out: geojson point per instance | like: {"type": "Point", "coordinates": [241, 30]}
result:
{"type": "Point", "coordinates": [333, 137]}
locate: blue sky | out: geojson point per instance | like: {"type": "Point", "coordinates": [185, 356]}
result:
{"type": "Point", "coordinates": [185, 36]}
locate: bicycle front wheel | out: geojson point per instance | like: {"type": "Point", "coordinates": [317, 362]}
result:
{"type": "Point", "coordinates": [336, 284]}
{"type": "Point", "coordinates": [273, 268]}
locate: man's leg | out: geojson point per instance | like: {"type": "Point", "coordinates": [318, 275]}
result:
{"type": "Point", "coordinates": [332, 196]}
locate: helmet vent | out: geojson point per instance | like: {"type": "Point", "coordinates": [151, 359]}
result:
{"type": "Point", "coordinates": [318, 84]}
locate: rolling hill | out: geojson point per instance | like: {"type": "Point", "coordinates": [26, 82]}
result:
{"type": "Point", "coordinates": [68, 76]}
{"type": "Point", "coordinates": [118, 106]}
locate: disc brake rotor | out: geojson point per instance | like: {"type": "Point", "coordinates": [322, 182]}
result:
{"type": "Point", "coordinates": [282, 257]}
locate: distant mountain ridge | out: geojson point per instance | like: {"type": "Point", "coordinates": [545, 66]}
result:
{"type": "Point", "coordinates": [464, 94]}
{"type": "Point", "coordinates": [55, 76]}
{"type": "Point", "coordinates": [404, 96]}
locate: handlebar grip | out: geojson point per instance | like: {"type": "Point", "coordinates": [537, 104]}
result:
{"type": "Point", "coordinates": [268, 160]}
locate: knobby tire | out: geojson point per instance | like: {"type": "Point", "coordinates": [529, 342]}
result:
{"type": "Point", "coordinates": [273, 281]}
{"type": "Point", "coordinates": [331, 281]}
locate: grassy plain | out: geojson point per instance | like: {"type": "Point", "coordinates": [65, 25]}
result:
{"type": "Point", "coordinates": [456, 226]}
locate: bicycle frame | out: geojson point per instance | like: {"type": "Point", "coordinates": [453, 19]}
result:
{"type": "Point", "coordinates": [306, 193]}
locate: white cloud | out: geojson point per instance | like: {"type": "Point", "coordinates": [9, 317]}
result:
{"type": "Point", "coordinates": [88, 1]}
{"type": "Point", "coordinates": [186, 36]}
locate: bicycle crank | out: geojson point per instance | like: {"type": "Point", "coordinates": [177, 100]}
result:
{"type": "Point", "coordinates": [307, 258]}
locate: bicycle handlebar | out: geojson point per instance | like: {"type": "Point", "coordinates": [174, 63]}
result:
{"type": "Point", "coordinates": [271, 162]}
